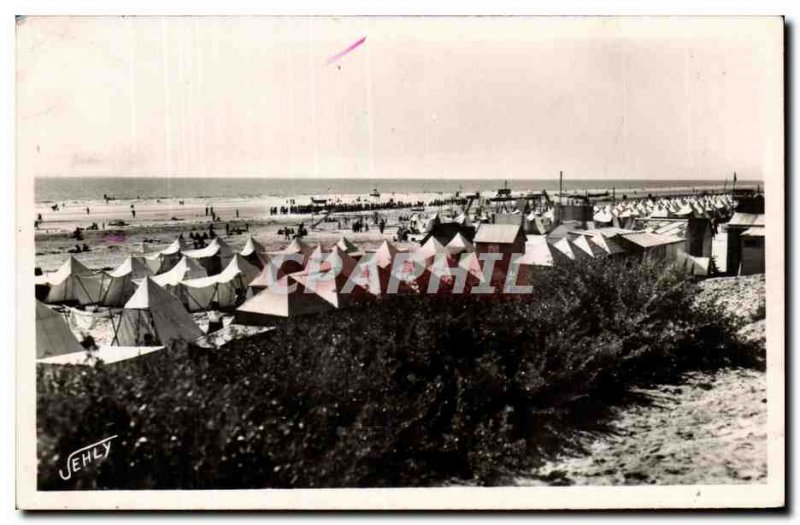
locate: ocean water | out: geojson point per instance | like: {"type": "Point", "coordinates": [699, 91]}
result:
{"type": "Point", "coordinates": [58, 189]}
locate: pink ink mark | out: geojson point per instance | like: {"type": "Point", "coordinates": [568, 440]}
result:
{"type": "Point", "coordinates": [349, 48]}
{"type": "Point", "coordinates": [115, 238]}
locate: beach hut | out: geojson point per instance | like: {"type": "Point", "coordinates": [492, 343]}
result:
{"type": "Point", "coordinates": [74, 283]}
{"type": "Point", "coordinates": [664, 247]}
{"type": "Point", "coordinates": [506, 239]}
{"type": "Point", "coordinates": [223, 290]}
{"type": "Point", "coordinates": [152, 317]}
{"type": "Point", "coordinates": [753, 251]}
{"type": "Point", "coordinates": [53, 336]}
{"type": "Point", "coordinates": [283, 299]}
{"type": "Point", "coordinates": [120, 284]}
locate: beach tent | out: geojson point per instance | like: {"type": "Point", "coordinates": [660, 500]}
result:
{"type": "Point", "coordinates": [267, 276]}
{"type": "Point", "coordinates": [431, 249]}
{"type": "Point", "coordinates": [74, 282]}
{"type": "Point", "coordinates": [163, 260]}
{"type": "Point", "coordinates": [213, 257]}
{"type": "Point", "coordinates": [603, 216]}
{"type": "Point", "coordinates": [120, 284]}
{"type": "Point", "coordinates": [458, 245]}
{"type": "Point", "coordinates": [377, 279]}
{"type": "Point", "coordinates": [154, 317]}
{"type": "Point", "coordinates": [53, 336]}
{"type": "Point", "coordinates": [185, 269]}
{"type": "Point", "coordinates": [608, 245]}
{"type": "Point", "coordinates": [580, 246]}
{"type": "Point", "coordinates": [277, 303]}
{"type": "Point", "coordinates": [384, 255]}
{"type": "Point", "coordinates": [298, 246]}
{"type": "Point", "coordinates": [538, 252]}
{"type": "Point", "coordinates": [346, 245]}
{"type": "Point", "coordinates": [254, 252]}
{"type": "Point", "coordinates": [564, 247]}
{"type": "Point", "coordinates": [330, 280]}
{"type": "Point", "coordinates": [222, 290]}
{"type": "Point", "coordinates": [291, 259]}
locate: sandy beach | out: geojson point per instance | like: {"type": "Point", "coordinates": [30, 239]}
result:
{"type": "Point", "coordinates": [158, 221]}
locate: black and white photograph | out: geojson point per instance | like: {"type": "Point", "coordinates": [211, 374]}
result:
{"type": "Point", "coordinates": [432, 256]}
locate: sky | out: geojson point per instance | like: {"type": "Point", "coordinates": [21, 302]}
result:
{"type": "Point", "coordinates": [510, 98]}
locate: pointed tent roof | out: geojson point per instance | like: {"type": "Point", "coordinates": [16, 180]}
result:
{"type": "Point", "coordinates": [346, 245]}
{"type": "Point", "coordinates": [537, 252]}
{"type": "Point", "coordinates": [277, 302]}
{"type": "Point", "coordinates": [564, 247]}
{"type": "Point", "coordinates": [135, 267]}
{"type": "Point", "coordinates": [70, 268]}
{"type": "Point", "coordinates": [298, 246]}
{"type": "Point", "coordinates": [168, 319]}
{"type": "Point", "coordinates": [252, 246]}
{"type": "Point", "coordinates": [238, 266]}
{"type": "Point", "coordinates": [53, 336]}
{"type": "Point", "coordinates": [384, 255]}
{"type": "Point", "coordinates": [265, 277]}
{"type": "Point", "coordinates": [459, 244]}
{"type": "Point", "coordinates": [431, 248]}
{"type": "Point", "coordinates": [581, 243]}
{"type": "Point", "coordinates": [216, 246]}
{"type": "Point", "coordinates": [186, 268]}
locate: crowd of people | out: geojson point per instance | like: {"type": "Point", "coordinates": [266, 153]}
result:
{"type": "Point", "coordinates": [340, 207]}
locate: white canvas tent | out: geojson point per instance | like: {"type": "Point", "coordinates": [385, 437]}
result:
{"type": "Point", "coordinates": [347, 246]}
{"type": "Point", "coordinates": [254, 252]}
{"type": "Point", "coordinates": [74, 282]}
{"type": "Point", "coordinates": [224, 289]}
{"type": "Point", "coordinates": [213, 257]}
{"type": "Point", "coordinates": [384, 255]}
{"type": "Point", "coordinates": [329, 279]}
{"type": "Point", "coordinates": [459, 244]}
{"type": "Point", "coordinates": [277, 303]}
{"type": "Point", "coordinates": [154, 317]}
{"type": "Point", "coordinates": [53, 336]}
{"type": "Point", "coordinates": [120, 284]}
{"type": "Point", "coordinates": [184, 270]}
{"type": "Point", "coordinates": [163, 260]}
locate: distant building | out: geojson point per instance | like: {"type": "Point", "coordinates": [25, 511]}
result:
{"type": "Point", "coordinates": [500, 238]}
{"type": "Point", "coordinates": [663, 247]}
{"type": "Point", "coordinates": [740, 223]}
{"type": "Point", "coordinates": [505, 239]}
{"type": "Point", "coordinates": [699, 237]}
{"type": "Point", "coordinates": [753, 251]}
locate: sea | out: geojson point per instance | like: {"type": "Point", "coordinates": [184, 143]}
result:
{"type": "Point", "coordinates": [62, 189]}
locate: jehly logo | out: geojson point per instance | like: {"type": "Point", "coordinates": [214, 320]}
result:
{"type": "Point", "coordinates": [86, 456]}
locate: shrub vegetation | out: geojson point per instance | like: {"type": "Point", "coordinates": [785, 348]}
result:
{"type": "Point", "coordinates": [410, 390]}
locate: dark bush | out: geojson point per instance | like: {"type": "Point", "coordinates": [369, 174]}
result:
{"type": "Point", "coordinates": [411, 390]}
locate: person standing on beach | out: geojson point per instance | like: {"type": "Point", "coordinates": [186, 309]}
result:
{"type": "Point", "coordinates": [87, 210]}
{"type": "Point", "coordinates": [237, 214]}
